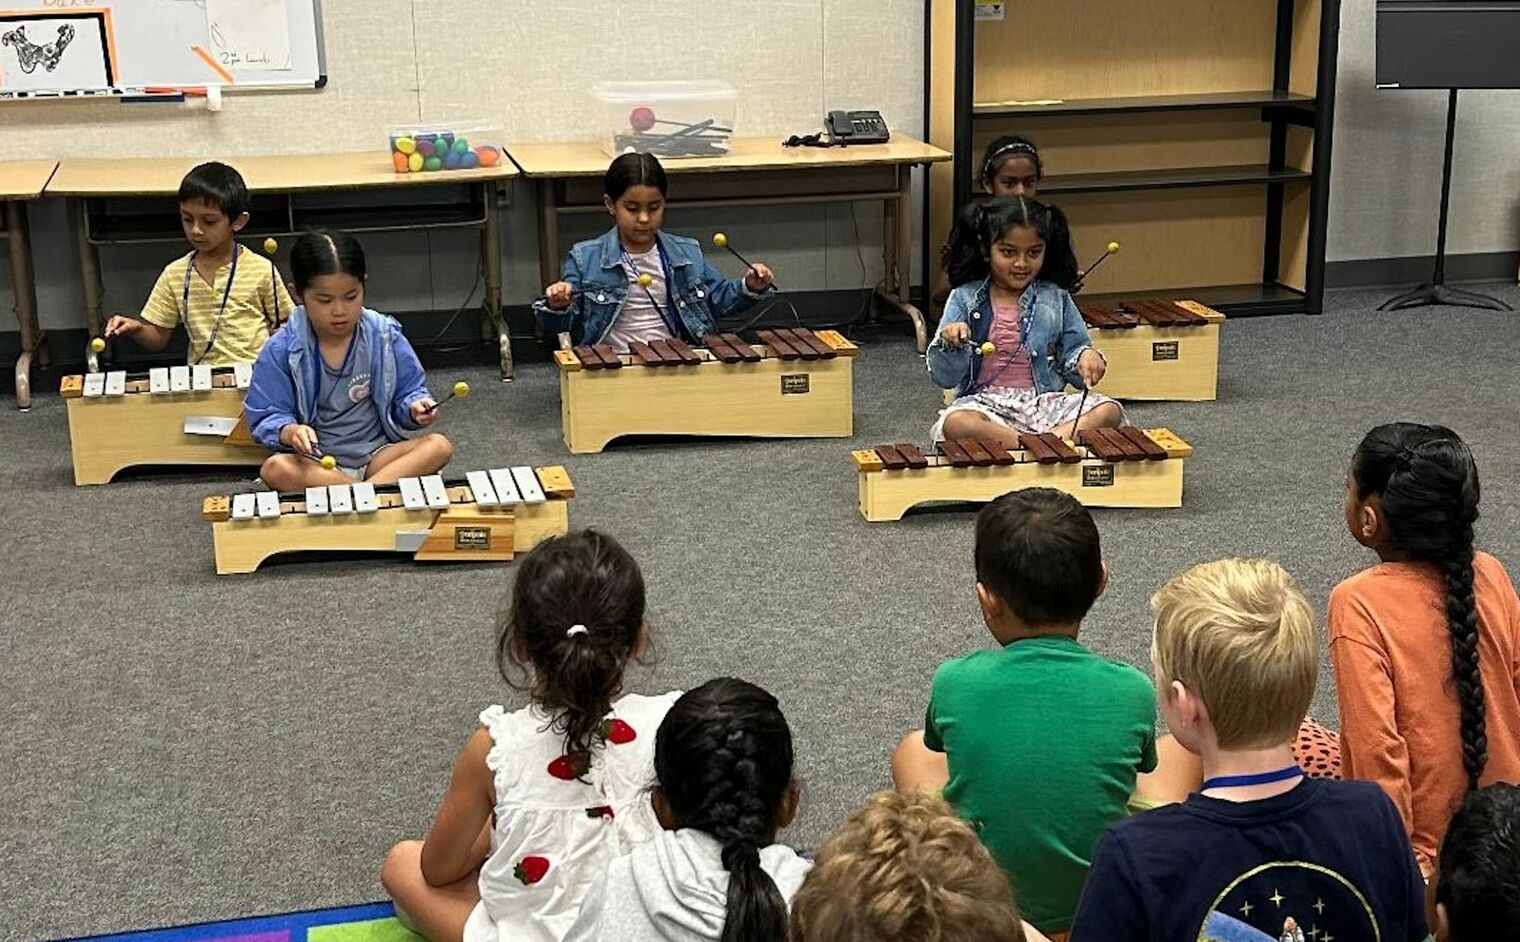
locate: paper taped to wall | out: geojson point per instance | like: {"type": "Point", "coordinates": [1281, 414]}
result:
{"type": "Point", "coordinates": [249, 35]}
{"type": "Point", "coordinates": [990, 9]}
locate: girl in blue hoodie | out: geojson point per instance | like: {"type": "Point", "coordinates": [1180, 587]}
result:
{"type": "Point", "coordinates": [340, 379]}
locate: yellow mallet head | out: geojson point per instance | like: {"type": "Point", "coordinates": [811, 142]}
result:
{"type": "Point", "coordinates": [720, 240]}
{"type": "Point", "coordinates": [461, 389]}
{"type": "Point", "coordinates": [270, 245]}
{"type": "Point", "coordinates": [329, 462]}
{"type": "Point", "coordinates": [98, 344]}
{"type": "Point", "coordinates": [645, 279]}
{"type": "Point", "coordinates": [988, 348]}
{"type": "Point", "coordinates": [1113, 247]}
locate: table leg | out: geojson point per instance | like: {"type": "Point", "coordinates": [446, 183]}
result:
{"type": "Point", "coordinates": [490, 250]}
{"type": "Point", "coordinates": [89, 271]}
{"type": "Point", "coordinates": [24, 285]}
{"type": "Point", "coordinates": [548, 234]}
{"type": "Point", "coordinates": [897, 255]}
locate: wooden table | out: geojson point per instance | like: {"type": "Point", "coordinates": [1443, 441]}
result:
{"type": "Point", "coordinates": [23, 180]}
{"type": "Point", "coordinates": [756, 171]}
{"type": "Point", "coordinates": [119, 202]}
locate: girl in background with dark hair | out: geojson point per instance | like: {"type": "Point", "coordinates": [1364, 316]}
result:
{"type": "Point", "coordinates": [1426, 644]}
{"type": "Point", "coordinates": [1011, 166]}
{"type": "Point", "coordinates": [1011, 339]}
{"type": "Point", "coordinates": [724, 763]}
{"type": "Point", "coordinates": [544, 797]}
{"type": "Point", "coordinates": [340, 379]}
{"type": "Point", "coordinates": [603, 295]}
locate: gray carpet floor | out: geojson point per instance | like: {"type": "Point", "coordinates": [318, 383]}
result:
{"type": "Point", "coordinates": [182, 747]}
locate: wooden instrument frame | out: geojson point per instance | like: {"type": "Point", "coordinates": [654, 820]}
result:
{"type": "Point", "coordinates": [771, 398]}
{"type": "Point", "coordinates": [108, 434]}
{"type": "Point", "coordinates": [1173, 363]}
{"type": "Point", "coordinates": [494, 533]}
{"type": "Point", "coordinates": [888, 495]}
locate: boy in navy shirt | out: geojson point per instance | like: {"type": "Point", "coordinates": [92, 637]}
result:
{"type": "Point", "coordinates": [1260, 853]}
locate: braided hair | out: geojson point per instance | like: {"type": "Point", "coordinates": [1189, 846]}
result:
{"type": "Point", "coordinates": [981, 224]}
{"type": "Point", "coordinates": [576, 614]}
{"type": "Point", "coordinates": [723, 757]}
{"type": "Point", "coordinates": [1429, 487]}
{"type": "Point", "coordinates": [1479, 880]}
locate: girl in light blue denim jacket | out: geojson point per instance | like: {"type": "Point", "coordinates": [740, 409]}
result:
{"type": "Point", "coordinates": [1011, 339]}
{"type": "Point", "coordinates": [636, 284]}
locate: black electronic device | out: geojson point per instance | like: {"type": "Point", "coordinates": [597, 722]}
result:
{"type": "Point", "coordinates": [857, 127]}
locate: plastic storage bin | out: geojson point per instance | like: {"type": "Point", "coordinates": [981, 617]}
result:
{"type": "Point", "coordinates": [667, 119]}
{"type": "Point", "coordinates": [444, 146]}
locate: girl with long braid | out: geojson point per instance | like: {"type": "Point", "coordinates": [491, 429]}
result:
{"type": "Point", "coordinates": [723, 758]}
{"type": "Point", "coordinates": [1425, 645]}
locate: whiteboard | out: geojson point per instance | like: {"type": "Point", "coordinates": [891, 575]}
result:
{"type": "Point", "coordinates": [52, 48]}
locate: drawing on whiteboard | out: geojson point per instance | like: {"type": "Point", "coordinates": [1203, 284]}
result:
{"type": "Point", "coordinates": [30, 55]}
{"type": "Point", "coordinates": [76, 55]}
{"type": "Point", "coordinates": [249, 35]}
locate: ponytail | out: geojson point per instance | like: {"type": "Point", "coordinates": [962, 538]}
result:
{"type": "Point", "coordinates": [576, 615]}
{"type": "Point", "coordinates": [756, 910]}
{"type": "Point", "coordinates": [1429, 487]}
{"type": "Point", "coordinates": [964, 257]}
{"type": "Point", "coordinates": [983, 222]}
{"type": "Point", "coordinates": [723, 757]}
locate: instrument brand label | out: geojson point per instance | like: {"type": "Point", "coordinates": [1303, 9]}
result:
{"type": "Point", "coordinates": [1098, 475]}
{"type": "Point", "coordinates": [1164, 350]}
{"type": "Point", "coordinates": [476, 539]}
{"type": "Point", "coordinates": [795, 384]}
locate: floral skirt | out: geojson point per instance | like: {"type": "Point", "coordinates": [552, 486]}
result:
{"type": "Point", "coordinates": [1023, 410]}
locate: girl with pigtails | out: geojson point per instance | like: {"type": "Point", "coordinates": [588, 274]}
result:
{"type": "Point", "coordinates": [1011, 339]}
{"type": "Point", "coordinates": [723, 759]}
{"type": "Point", "coordinates": [1426, 644]}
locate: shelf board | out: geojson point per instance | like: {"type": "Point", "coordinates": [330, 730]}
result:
{"type": "Point", "coordinates": [1213, 100]}
{"type": "Point", "coordinates": [1167, 179]}
{"type": "Point", "coordinates": [1231, 300]}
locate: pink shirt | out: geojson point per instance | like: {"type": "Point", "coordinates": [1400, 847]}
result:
{"type": "Point", "coordinates": [1009, 367]}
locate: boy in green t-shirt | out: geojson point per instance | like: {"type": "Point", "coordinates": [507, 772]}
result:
{"type": "Point", "coordinates": [1036, 744]}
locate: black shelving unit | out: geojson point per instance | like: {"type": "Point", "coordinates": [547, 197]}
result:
{"type": "Point", "coordinates": [1246, 236]}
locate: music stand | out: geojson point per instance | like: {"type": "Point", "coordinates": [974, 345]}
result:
{"type": "Point", "coordinates": [1436, 292]}
{"type": "Point", "coordinates": [1447, 44]}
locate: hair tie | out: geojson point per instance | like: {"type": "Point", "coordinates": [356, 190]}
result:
{"type": "Point", "coordinates": [741, 853]}
{"type": "Point", "coordinates": [574, 630]}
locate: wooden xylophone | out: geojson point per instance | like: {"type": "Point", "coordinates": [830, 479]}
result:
{"type": "Point", "coordinates": [1123, 467]}
{"type": "Point", "coordinates": [795, 384]}
{"type": "Point", "coordinates": [487, 516]}
{"type": "Point", "coordinates": [1156, 349]}
{"type": "Point", "coordinates": [179, 415]}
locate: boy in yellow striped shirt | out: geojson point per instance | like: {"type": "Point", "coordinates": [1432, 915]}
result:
{"type": "Point", "coordinates": [229, 298]}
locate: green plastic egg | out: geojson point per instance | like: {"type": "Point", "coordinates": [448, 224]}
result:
{"type": "Point", "coordinates": [461, 146]}
{"type": "Point", "coordinates": [433, 163]}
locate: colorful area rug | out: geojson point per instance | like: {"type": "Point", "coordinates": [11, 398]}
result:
{"type": "Point", "coordinates": [375, 922]}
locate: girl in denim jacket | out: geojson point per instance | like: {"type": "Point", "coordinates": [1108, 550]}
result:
{"type": "Point", "coordinates": [636, 283]}
{"type": "Point", "coordinates": [1011, 339]}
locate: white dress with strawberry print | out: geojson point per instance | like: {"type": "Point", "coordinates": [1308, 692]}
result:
{"type": "Point", "coordinates": [557, 826]}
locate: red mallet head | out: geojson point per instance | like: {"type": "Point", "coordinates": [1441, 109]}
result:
{"type": "Point", "coordinates": [641, 118]}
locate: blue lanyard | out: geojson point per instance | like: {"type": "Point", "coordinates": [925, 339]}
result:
{"type": "Point", "coordinates": [1256, 778]}
{"type": "Point", "coordinates": [184, 301]}
{"type": "Point", "coordinates": [672, 325]}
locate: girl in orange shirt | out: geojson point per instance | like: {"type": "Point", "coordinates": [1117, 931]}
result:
{"type": "Point", "coordinates": [1426, 644]}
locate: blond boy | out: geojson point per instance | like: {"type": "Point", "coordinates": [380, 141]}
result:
{"type": "Point", "coordinates": [1261, 852]}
